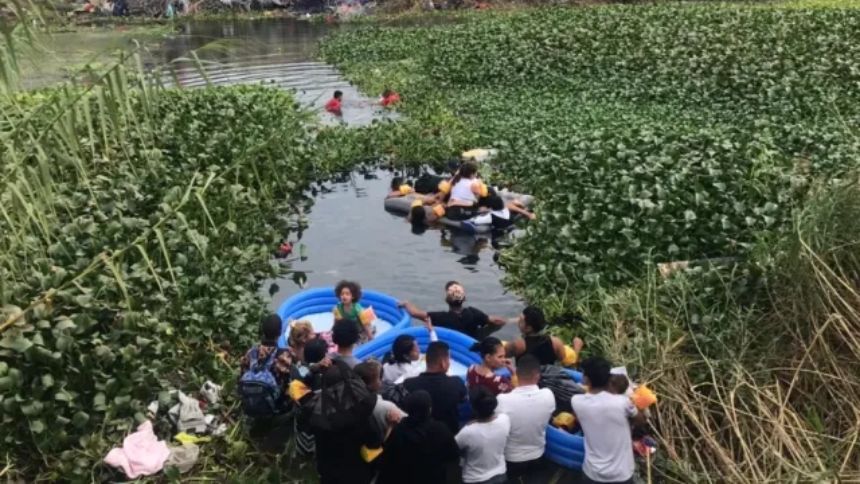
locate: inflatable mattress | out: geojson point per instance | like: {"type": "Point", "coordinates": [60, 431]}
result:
{"type": "Point", "coordinates": [562, 448]}
{"type": "Point", "coordinates": [402, 205]}
{"type": "Point", "coordinates": [315, 305]}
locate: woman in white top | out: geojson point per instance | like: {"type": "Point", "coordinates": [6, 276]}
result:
{"type": "Point", "coordinates": [466, 187]}
{"type": "Point", "coordinates": [482, 441]}
{"type": "Point", "coordinates": [404, 361]}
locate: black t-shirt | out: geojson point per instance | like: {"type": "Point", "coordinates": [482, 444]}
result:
{"type": "Point", "coordinates": [418, 453]}
{"type": "Point", "coordinates": [468, 321]}
{"type": "Point", "coordinates": [446, 393]}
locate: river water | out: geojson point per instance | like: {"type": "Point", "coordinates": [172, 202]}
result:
{"type": "Point", "coordinates": [350, 236]}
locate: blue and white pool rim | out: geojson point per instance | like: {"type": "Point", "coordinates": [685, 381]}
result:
{"type": "Point", "coordinates": [315, 305]}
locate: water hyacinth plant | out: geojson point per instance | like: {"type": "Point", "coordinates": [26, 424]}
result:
{"type": "Point", "coordinates": [662, 134]}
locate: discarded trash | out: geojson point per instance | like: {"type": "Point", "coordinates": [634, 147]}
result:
{"type": "Point", "coordinates": [141, 454]}
{"type": "Point", "coordinates": [186, 438]}
{"type": "Point", "coordinates": [186, 415]}
{"type": "Point", "coordinates": [183, 457]}
{"type": "Point", "coordinates": [211, 392]}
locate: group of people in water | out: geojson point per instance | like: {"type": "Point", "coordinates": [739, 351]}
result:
{"type": "Point", "coordinates": [334, 105]}
{"type": "Point", "coordinates": [462, 197]}
{"type": "Point", "coordinates": [410, 430]}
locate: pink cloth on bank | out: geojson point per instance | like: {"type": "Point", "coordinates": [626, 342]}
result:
{"type": "Point", "coordinates": [141, 454]}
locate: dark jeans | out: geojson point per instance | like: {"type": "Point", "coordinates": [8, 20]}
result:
{"type": "Point", "coordinates": [517, 470]}
{"type": "Point", "coordinates": [587, 480]}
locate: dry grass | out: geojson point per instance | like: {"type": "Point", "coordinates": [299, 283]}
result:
{"type": "Point", "coordinates": [773, 394]}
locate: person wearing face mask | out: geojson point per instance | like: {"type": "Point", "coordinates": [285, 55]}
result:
{"type": "Point", "coordinates": [446, 392]}
{"type": "Point", "coordinates": [465, 319]}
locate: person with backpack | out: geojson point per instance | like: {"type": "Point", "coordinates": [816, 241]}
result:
{"type": "Point", "coordinates": [265, 373]}
{"type": "Point", "coordinates": [340, 416]}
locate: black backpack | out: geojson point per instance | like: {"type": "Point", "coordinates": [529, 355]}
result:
{"type": "Point", "coordinates": [342, 402]}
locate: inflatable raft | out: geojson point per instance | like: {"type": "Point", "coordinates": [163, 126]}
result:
{"type": "Point", "coordinates": [315, 305]}
{"type": "Point", "coordinates": [403, 205]}
{"type": "Point", "coordinates": [562, 448]}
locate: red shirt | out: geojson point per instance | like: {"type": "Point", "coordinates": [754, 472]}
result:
{"type": "Point", "coordinates": [496, 383]}
{"type": "Point", "coordinates": [392, 98]}
{"type": "Point", "coordinates": [333, 106]}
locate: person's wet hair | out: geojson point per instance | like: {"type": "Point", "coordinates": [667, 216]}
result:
{"type": "Point", "coordinates": [417, 215]}
{"type": "Point", "coordinates": [315, 350]}
{"type": "Point", "coordinates": [338, 94]}
{"type": "Point", "coordinates": [596, 369]}
{"type": "Point", "coordinates": [386, 92]}
{"type": "Point", "coordinates": [483, 402]}
{"type": "Point", "coordinates": [496, 203]}
{"type": "Point", "coordinates": [400, 349]}
{"type": "Point", "coordinates": [353, 287]}
{"type": "Point", "coordinates": [467, 170]}
{"type": "Point", "coordinates": [417, 405]}
{"type": "Point", "coordinates": [487, 346]}
{"type": "Point", "coordinates": [345, 332]}
{"type": "Point", "coordinates": [454, 166]}
{"type": "Point", "coordinates": [270, 327]}
{"type": "Point", "coordinates": [534, 318]}
{"type": "Point", "coordinates": [396, 183]}
{"type": "Point", "coordinates": [436, 352]}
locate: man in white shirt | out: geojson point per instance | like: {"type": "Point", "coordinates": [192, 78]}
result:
{"type": "Point", "coordinates": [605, 421]}
{"type": "Point", "coordinates": [529, 409]}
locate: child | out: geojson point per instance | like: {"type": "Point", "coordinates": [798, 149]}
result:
{"type": "Point", "coordinates": [349, 293]}
{"type": "Point", "coordinates": [399, 188]}
{"type": "Point", "coordinates": [499, 215]}
{"type": "Point", "coordinates": [618, 382]}
{"type": "Point", "coordinates": [335, 104]}
{"type": "Point", "coordinates": [300, 333]}
{"type": "Point", "coordinates": [389, 98]}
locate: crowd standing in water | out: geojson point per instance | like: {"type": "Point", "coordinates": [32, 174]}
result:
{"type": "Point", "coordinates": [399, 420]}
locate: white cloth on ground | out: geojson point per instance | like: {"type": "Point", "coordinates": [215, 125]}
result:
{"type": "Point", "coordinates": [604, 418]}
{"type": "Point", "coordinates": [141, 454]}
{"type": "Point", "coordinates": [187, 415]}
{"type": "Point", "coordinates": [529, 409]}
{"type": "Point", "coordinates": [482, 448]}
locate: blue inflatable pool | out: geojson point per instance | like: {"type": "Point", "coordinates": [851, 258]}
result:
{"type": "Point", "coordinates": [562, 448]}
{"type": "Point", "coordinates": [315, 305]}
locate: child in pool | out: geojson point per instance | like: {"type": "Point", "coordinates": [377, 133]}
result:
{"type": "Point", "coordinates": [300, 333]}
{"type": "Point", "coordinates": [399, 188]}
{"type": "Point", "coordinates": [349, 293]}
